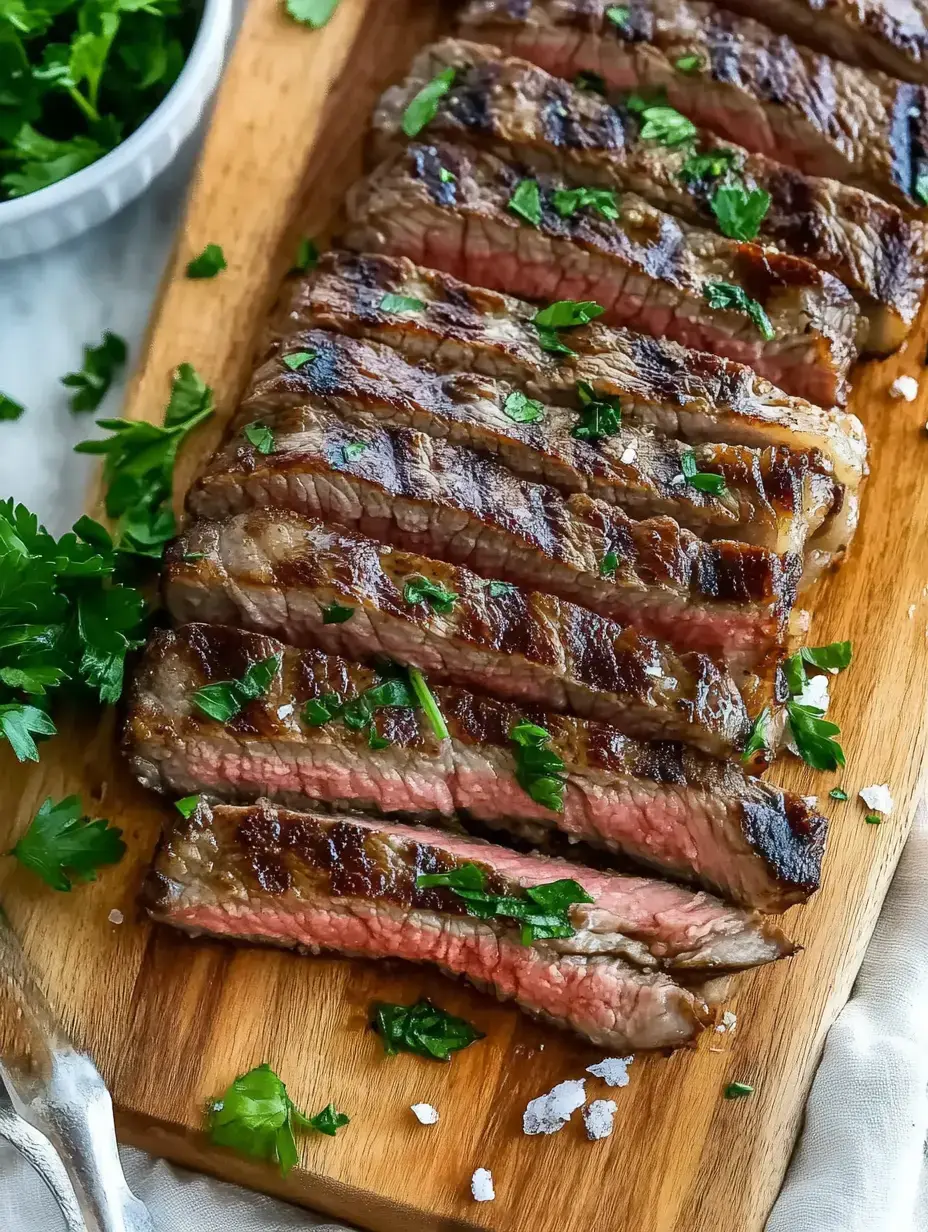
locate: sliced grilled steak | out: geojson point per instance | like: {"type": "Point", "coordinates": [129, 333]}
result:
{"type": "Point", "coordinates": [687, 394]}
{"type": "Point", "coordinates": [423, 495]}
{"type": "Point", "coordinates": [275, 572]}
{"type": "Point", "coordinates": [520, 112]}
{"type": "Point", "coordinates": [349, 885]}
{"type": "Point", "coordinates": [748, 84]}
{"type": "Point", "coordinates": [661, 804]}
{"type": "Point", "coordinates": [648, 271]}
{"type": "Point", "coordinates": [878, 34]}
{"type": "Point", "coordinates": [772, 497]}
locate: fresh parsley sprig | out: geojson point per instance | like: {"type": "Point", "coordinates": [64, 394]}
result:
{"type": "Point", "coordinates": [92, 383]}
{"type": "Point", "coordinates": [210, 262]}
{"type": "Point", "coordinates": [567, 201]}
{"type": "Point", "coordinates": [600, 415]}
{"type": "Point", "coordinates": [225, 699]}
{"type": "Point", "coordinates": [526, 201]}
{"type": "Point", "coordinates": [702, 481]}
{"type": "Point", "coordinates": [740, 212]}
{"type": "Point", "coordinates": [725, 295]}
{"type": "Point", "coordinates": [539, 770]}
{"type": "Point", "coordinates": [661, 122]}
{"type": "Point", "coordinates": [423, 1029]}
{"type": "Point", "coordinates": [423, 590]}
{"type": "Point", "coordinates": [521, 409]}
{"type": "Point", "coordinates": [255, 1116]}
{"type": "Point", "coordinates": [62, 847]}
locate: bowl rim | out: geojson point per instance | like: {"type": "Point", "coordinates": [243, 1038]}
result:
{"type": "Point", "coordinates": [214, 26]}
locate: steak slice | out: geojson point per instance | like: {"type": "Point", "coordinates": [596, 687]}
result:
{"type": "Point", "coordinates": [275, 572]}
{"type": "Point", "coordinates": [662, 804]}
{"type": "Point", "coordinates": [402, 487]}
{"type": "Point", "coordinates": [522, 113]}
{"type": "Point", "coordinates": [691, 395]}
{"type": "Point", "coordinates": [647, 270]}
{"type": "Point", "coordinates": [322, 883]}
{"type": "Point", "coordinates": [748, 84]}
{"type": "Point", "coordinates": [773, 497]}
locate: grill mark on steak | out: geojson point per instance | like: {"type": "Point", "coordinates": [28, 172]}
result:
{"type": "Point", "coordinates": [752, 85]}
{"type": "Point", "coordinates": [348, 885]}
{"type": "Point", "coordinates": [647, 270]}
{"type": "Point", "coordinates": [520, 112]}
{"type": "Point", "coordinates": [273, 572]}
{"type": "Point", "coordinates": [662, 804]}
{"type": "Point", "coordinates": [773, 497]}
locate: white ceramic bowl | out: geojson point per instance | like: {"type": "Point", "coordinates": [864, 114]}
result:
{"type": "Point", "coordinates": [84, 200]}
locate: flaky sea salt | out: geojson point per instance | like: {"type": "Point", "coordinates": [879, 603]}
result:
{"type": "Point", "coordinates": [285, 711]}
{"type": "Point", "coordinates": [628, 456]}
{"type": "Point", "coordinates": [115, 916]}
{"type": "Point", "coordinates": [481, 1186]}
{"type": "Point", "coordinates": [598, 1117]}
{"type": "Point", "coordinates": [911, 610]}
{"type": "Point", "coordinates": [425, 1114]}
{"type": "Point", "coordinates": [728, 1023]}
{"type": "Point", "coordinates": [613, 1071]}
{"type": "Point", "coordinates": [814, 693]}
{"type": "Point", "coordinates": [904, 387]}
{"type": "Point", "coordinates": [548, 1113]}
{"type": "Point", "coordinates": [877, 797]}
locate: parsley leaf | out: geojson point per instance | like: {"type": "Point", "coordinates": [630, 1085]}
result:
{"type": "Point", "coordinates": [712, 165]}
{"type": "Point", "coordinates": [814, 737]}
{"type": "Point", "coordinates": [259, 435]}
{"type": "Point", "coordinates": [312, 13]}
{"type": "Point", "coordinates": [834, 657]}
{"type": "Point", "coordinates": [92, 383]}
{"type": "Point", "coordinates": [618, 14]}
{"type": "Point", "coordinates": [758, 739]}
{"type": "Point", "coordinates": [422, 1029]}
{"type": "Point", "coordinates": [498, 590]}
{"type": "Point", "coordinates": [321, 710]}
{"type": "Point", "coordinates": [19, 723]}
{"type": "Point", "coordinates": [427, 701]}
{"type": "Point", "coordinates": [609, 564]}
{"type": "Point", "coordinates": [603, 200]}
{"type": "Point", "coordinates": [328, 1121]}
{"type": "Point", "coordinates": [188, 805]}
{"type": "Point", "coordinates": [307, 256]}
{"type": "Point", "coordinates": [353, 450]}
{"type": "Point", "coordinates": [296, 359]}
{"type": "Point", "coordinates": [446, 176]}
{"type": "Point", "coordinates": [738, 1090]}
{"type": "Point", "coordinates": [873, 819]}
{"type": "Point", "coordinates": [423, 590]}
{"type": "Point", "coordinates": [740, 212]}
{"type": "Point", "coordinates": [227, 698]}
{"type": "Point", "coordinates": [208, 264]}
{"type": "Point", "coordinates": [725, 295]}
{"type": "Point", "coordinates": [62, 847]}
{"type": "Point", "coordinates": [521, 409]}
{"type": "Point", "coordinates": [526, 201]}
{"type": "Point", "coordinates": [837, 794]}
{"type": "Point", "coordinates": [563, 314]}
{"type": "Point", "coordinates": [10, 409]}
{"type": "Point", "coordinates": [688, 64]}
{"type": "Point", "coordinates": [702, 481]}
{"type": "Point", "coordinates": [401, 303]}
{"type": "Point", "coordinates": [920, 191]}
{"type": "Point", "coordinates": [40, 161]}
{"type": "Point", "coordinates": [424, 106]}
{"type": "Point", "coordinates": [599, 416]}
{"type": "Point", "coordinates": [336, 614]}
{"type": "Point", "coordinates": [539, 770]}
{"type": "Point", "coordinates": [663, 124]}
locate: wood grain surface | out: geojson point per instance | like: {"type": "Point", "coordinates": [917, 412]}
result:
{"type": "Point", "coordinates": [172, 1021]}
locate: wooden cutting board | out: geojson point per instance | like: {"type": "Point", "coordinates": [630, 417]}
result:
{"type": "Point", "coordinates": [171, 1021]}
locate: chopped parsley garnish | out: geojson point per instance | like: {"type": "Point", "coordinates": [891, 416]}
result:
{"type": "Point", "coordinates": [62, 847]}
{"type": "Point", "coordinates": [618, 14]}
{"type": "Point", "coordinates": [739, 212]}
{"type": "Point", "coordinates": [306, 257]}
{"type": "Point", "coordinates": [187, 805]}
{"type": "Point", "coordinates": [609, 564]}
{"type": "Point", "coordinates": [426, 700]}
{"type": "Point", "coordinates": [920, 191]}
{"type": "Point", "coordinates": [542, 911]}
{"type": "Point", "coordinates": [139, 467]}
{"type": "Point", "coordinates": [64, 623]}
{"type": "Point", "coordinates": [526, 201]}
{"type": "Point", "coordinates": [192, 556]}
{"type": "Point", "coordinates": [401, 303]}
{"type": "Point", "coordinates": [563, 314]}
{"type": "Point", "coordinates": [688, 64]}
{"type": "Point", "coordinates": [321, 710]}
{"type": "Point", "coordinates": [834, 657]}
{"type": "Point", "coordinates": [539, 770]}
{"type": "Point", "coordinates": [312, 13]}
{"type": "Point", "coordinates": [702, 481]}
{"type": "Point", "coordinates": [92, 383]}
{"type": "Point", "coordinates": [227, 698]}
{"type": "Point", "coordinates": [208, 264]}
{"type": "Point", "coordinates": [758, 739]}
{"type": "Point", "coordinates": [599, 416]}
{"type": "Point", "coordinates": [424, 106]}
{"type": "Point", "coordinates": [422, 1029]}
{"type": "Point", "coordinates": [376, 741]}
{"type": "Point", "coordinates": [568, 200]}
{"type": "Point", "coordinates": [496, 590]}
{"type": "Point", "coordinates": [336, 614]}
{"type": "Point", "coordinates": [727, 296]}
{"type": "Point", "coordinates": [396, 687]}
{"type": "Point", "coordinates": [259, 435]}
{"type": "Point", "coordinates": [423, 590]}
{"type": "Point", "coordinates": [521, 409]}
{"type": "Point", "coordinates": [662, 123]}
{"type": "Point", "coordinates": [837, 793]}
{"type": "Point", "coordinates": [353, 450]}
{"type": "Point", "coordinates": [446, 176]}
{"type": "Point", "coordinates": [874, 819]}
{"type": "Point", "coordinates": [709, 166]}
{"type": "Point", "coordinates": [297, 359]}
{"type": "Point", "coordinates": [10, 409]}
{"type": "Point", "coordinates": [255, 1116]}
{"type": "Point", "coordinates": [738, 1090]}
{"type": "Point", "coordinates": [590, 83]}
{"type": "Point", "coordinates": [813, 736]}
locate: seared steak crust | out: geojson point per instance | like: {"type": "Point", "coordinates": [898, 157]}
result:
{"type": "Point", "coordinates": [662, 804]}
{"type": "Point", "coordinates": [346, 884]}
{"type": "Point", "coordinates": [773, 497]}
{"type": "Point", "coordinates": [749, 85]}
{"type": "Point", "coordinates": [402, 487]}
{"type": "Point", "coordinates": [522, 113]}
{"type": "Point", "coordinates": [275, 572]}
{"type": "Point", "coordinates": [649, 271]}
